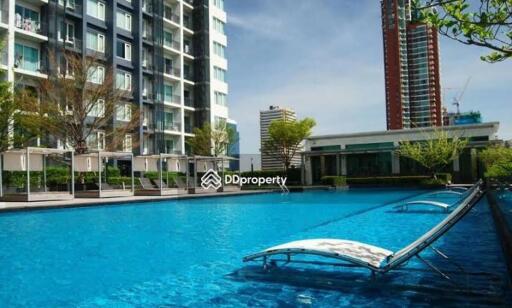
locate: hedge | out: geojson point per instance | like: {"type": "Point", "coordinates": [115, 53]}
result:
{"type": "Point", "coordinates": [334, 180]}
{"type": "Point", "coordinates": [56, 176]}
{"type": "Point", "coordinates": [293, 175]}
{"type": "Point", "coordinates": [442, 179]}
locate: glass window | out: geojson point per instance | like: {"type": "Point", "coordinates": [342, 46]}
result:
{"type": "Point", "coordinates": [219, 50]}
{"type": "Point", "coordinates": [98, 109]}
{"type": "Point", "coordinates": [96, 74]}
{"type": "Point", "coordinates": [124, 50]}
{"type": "Point", "coordinates": [220, 98]}
{"type": "Point", "coordinates": [95, 41]}
{"type": "Point", "coordinates": [26, 57]}
{"type": "Point", "coordinates": [219, 74]}
{"type": "Point", "coordinates": [124, 80]}
{"type": "Point", "coordinates": [124, 20]}
{"type": "Point", "coordinates": [96, 9]}
{"type": "Point", "coordinates": [168, 92]}
{"type": "Point", "coordinates": [124, 112]}
{"type": "Point", "coordinates": [218, 25]}
{"type": "Point", "coordinates": [219, 4]}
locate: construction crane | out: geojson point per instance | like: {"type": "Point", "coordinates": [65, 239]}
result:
{"type": "Point", "coordinates": [457, 100]}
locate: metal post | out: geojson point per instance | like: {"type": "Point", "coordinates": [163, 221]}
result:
{"type": "Point", "coordinates": [161, 173]}
{"type": "Point", "coordinates": [99, 174]}
{"type": "Point", "coordinates": [72, 173]}
{"type": "Point", "coordinates": [133, 175]}
{"type": "Point", "coordinates": [1, 173]}
{"type": "Point", "coordinates": [187, 170]}
{"type": "Point", "coordinates": [195, 174]}
{"type": "Point", "coordinates": [44, 173]}
{"type": "Point", "coordinates": [27, 165]}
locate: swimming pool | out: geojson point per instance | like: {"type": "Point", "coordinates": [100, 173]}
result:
{"type": "Point", "coordinates": [188, 253]}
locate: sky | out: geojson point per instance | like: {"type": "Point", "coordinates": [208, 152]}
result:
{"type": "Point", "coordinates": [324, 59]}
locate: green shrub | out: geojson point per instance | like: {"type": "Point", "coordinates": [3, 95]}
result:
{"type": "Point", "coordinates": [293, 175]}
{"type": "Point", "coordinates": [334, 180]}
{"type": "Point", "coordinates": [120, 180]}
{"type": "Point", "coordinates": [444, 178]}
{"type": "Point", "coordinates": [400, 180]}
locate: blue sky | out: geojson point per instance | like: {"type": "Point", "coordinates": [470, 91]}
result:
{"type": "Point", "coordinates": [324, 59]}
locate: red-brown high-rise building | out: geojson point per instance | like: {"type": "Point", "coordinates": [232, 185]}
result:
{"type": "Point", "coordinates": [411, 60]}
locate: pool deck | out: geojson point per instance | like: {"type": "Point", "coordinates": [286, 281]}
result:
{"type": "Point", "coordinates": [85, 202]}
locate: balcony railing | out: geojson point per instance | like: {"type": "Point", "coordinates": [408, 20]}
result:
{"type": "Point", "coordinates": [188, 50]}
{"type": "Point", "coordinates": [191, 2]}
{"type": "Point", "coordinates": [189, 128]}
{"type": "Point", "coordinates": [147, 7]}
{"type": "Point", "coordinates": [172, 71]}
{"type": "Point", "coordinates": [75, 8]}
{"type": "Point", "coordinates": [172, 17]}
{"type": "Point", "coordinates": [4, 16]}
{"type": "Point", "coordinates": [73, 44]}
{"type": "Point", "coordinates": [176, 127]}
{"type": "Point", "coordinates": [31, 25]}
{"type": "Point", "coordinates": [147, 35]}
{"type": "Point", "coordinates": [189, 102]}
{"type": "Point", "coordinates": [172, 44]}
{"type": "Point", "coordinates": [175, 99]}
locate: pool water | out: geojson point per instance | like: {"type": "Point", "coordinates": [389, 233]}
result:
{"type": "Point", "coordinates": [189, 252]}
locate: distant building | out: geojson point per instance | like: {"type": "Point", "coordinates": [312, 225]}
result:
{"type": "Point", "coordinates": [372, 154]}
{"type": "Point", "coordinates": [271, 162]}
{"type": "Point", "coordinates": [234, 148]}
{"type": "Point", "coordinates": [464, 118]}
{"type": "Point", "coordinates": [411, 64]}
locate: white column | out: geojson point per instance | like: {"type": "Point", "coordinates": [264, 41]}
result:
{"type": "Point", "coordinates": [343, 164]}
{"type": "Point", "coordinates": [395, 163]}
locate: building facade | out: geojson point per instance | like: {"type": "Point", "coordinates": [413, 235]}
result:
{"type": "Point", "coordinates": [268, 161]}
{"type": "Point", "coordinates": [373, 154]}
{"type": "Point", "coordinates": [170, 55]}
{"type": "Point", "coordinates": [411, 64]}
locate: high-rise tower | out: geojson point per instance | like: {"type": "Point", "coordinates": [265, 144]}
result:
{"type": "Point", "coordinates": [411, 60]}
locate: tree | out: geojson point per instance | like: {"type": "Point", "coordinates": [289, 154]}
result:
{"type": "Point", "coordinates": [285, 138]}
{"type": "Point", "coordinates": [498, 162]}
{"type": "Point", "coordinates": [485, 23]}
{"type": "Point", "coordinates": [84, 98]}
{"type": "Point", "coordinates": [15, 128]}
{"type": "Point", "coordinates": [211, 141]}
{"type": "Point", "coordinates": [436, 152]}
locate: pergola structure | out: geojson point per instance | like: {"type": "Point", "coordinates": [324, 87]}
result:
{"type": "Point", "coordinates": [161, 175]}
{"type": "Point", "coordinates": [96, 162]}
{"type": "Point", "coordinates": [202, 165]}
{"type": "Point", "coordinates": [24, 173]}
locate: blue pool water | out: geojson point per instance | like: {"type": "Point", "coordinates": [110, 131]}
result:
{"type": "Point", "coordinates": [188, 253]}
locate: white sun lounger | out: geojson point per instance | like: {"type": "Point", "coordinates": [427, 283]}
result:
{"type": "Point", "coordinates": [447, 192]}
{"type": "Point", "coordinates": [376, 259]}
{"type": "Point", "coordinates": [405, 206]}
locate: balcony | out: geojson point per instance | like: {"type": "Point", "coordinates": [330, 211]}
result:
{"type": "Point", "coordinates": [174, 99]}
{"type": "Point", "coordinates": [175, 127]}
{"type": "Point", "coordinates": [72, 43]}
{"type": "Point", "coordinates": [74, 8]}
{"type": "Point", "coordinates": [172, 71]}
{"type": "Point", "coordinates": [189, 128]}
{"type": "Point", "coordinates": [4, 18]}
{"type": "Point", "coordinates": [189, 102]}
{"type": "Point", "coordinates": [146, 35]}
{"type": "Point", "coordinates": [147, 7]}
{"type": "Point", "coordinates": [187, 49]}
{"type": "Point", "coordinates": [31, 26]}
{"type": "Point", "coordinates": [169, 15]}
{"type": "Point", "coordinates": [187, 22]}
{"type": "Point", "coordinates": [172, 44]}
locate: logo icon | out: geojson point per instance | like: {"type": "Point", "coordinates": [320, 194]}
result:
{"type": "Point", "coordinates": [211, 179]}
